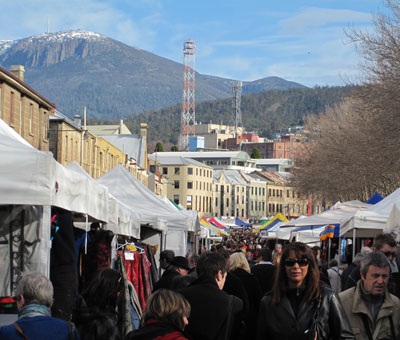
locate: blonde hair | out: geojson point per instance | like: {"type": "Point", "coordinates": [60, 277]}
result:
{"type": "Point", "coordinates": [168, 306]}
{"type": "Point", "coordinates": [238, 260]}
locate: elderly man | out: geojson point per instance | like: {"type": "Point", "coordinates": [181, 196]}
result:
{"type": "Point", "coordinates": [373, 312]}
{"type": "Point", "coordinates": [34, 299]}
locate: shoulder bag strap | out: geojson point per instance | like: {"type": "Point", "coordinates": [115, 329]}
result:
{"type": "Point", "coordinates": [20, 332]}
{"type": "Point", "coordinates": [364, 318]}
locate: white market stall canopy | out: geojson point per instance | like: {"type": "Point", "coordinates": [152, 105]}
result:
{"type": "Point", "coordinates": [153, 210]}
{"type": "Point", "coordinates": [338, 214]}
{"type": "Point", "coordinates": [32, 177]}
{"type": "Point", "coordinates": [371, 222]}
{"type": "Point", "coordinates": [121, 219]}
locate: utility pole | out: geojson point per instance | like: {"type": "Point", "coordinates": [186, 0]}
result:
{"type": "Point", "coordinates": [188, 117]}
{"type": "Point", "coordinates": [236, 113]}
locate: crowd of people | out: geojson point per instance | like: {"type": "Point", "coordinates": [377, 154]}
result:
{"type": "Point", "coordinates": [243, 288]}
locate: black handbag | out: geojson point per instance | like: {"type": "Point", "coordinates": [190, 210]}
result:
{"type": "Point", "coordinates": [312, 332]}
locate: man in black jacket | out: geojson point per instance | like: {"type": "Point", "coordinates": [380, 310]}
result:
{"type": "Point", "coordinates": [264, 270]}
{"type": "Point", "coordinates": [213, 312]}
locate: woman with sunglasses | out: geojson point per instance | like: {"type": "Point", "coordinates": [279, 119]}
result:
{"type": "Point", "coordinates": [298, 307]}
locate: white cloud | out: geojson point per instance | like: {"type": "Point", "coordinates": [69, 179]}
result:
{"type": "Point", "coordinates": [313, 17]}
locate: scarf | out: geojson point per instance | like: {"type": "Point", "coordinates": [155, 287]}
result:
{"type": "Point", "coordinates": [33, 310]}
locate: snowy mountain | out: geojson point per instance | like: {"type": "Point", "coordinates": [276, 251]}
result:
{"type": "Point", "coordinates": [81, 68]}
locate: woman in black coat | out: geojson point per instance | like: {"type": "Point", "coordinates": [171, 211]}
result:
{"type": "Point", "coordinates": [240, 267]}
{"type": "Point", "coordinates": [288, 312]}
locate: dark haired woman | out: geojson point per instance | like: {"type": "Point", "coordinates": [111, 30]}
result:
{"type": "Point", "coordinates": [164, 318]}
{"type": "Point", "coordinates": [297, 307]}
{"type": "Point", "coordinates": [95, 315]}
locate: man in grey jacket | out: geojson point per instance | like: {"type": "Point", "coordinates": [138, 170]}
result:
{"type": "Point", "coordinates": [372, 311]}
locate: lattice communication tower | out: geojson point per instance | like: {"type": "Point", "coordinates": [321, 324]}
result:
{"type": "Point", "coordinates": [236, 113]}
{"type": "Point", "coordinates": [188, 101]}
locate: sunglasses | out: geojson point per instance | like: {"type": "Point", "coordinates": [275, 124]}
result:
{"type": "Point", "coordinates": [292, 262]}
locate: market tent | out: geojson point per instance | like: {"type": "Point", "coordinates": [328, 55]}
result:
{"type": "Point", "coordinates": [194, 226]}
{"type": "Point", "coordinates": [273, 221]}
{"type": "Point", "coordinates": [153, 210]}
{"type": "Point", "coordinates": [217, 222]}
{"type": "Point", "coordinates": [310, 234]}
{"type": "Point", "coordinates": [31, 181]}
{"type": "Point", "coordinates": [371, 222]}
{"type": "Point", "coordinates": [32, 177]}
{"type": "Point", "coordinates": [375, 198]}
{"type": "Point", "coordinates": [121, 219]}
{"type": "Point", "coordinates": [240, 223]}
{"type": "Point", "coordinates": [205, 224]}
{"type": "Point", "coordinates": [338, 214]}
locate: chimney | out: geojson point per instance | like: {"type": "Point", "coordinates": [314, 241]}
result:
{"type": "Point", "coordinates": [78, 121]}
{"type": "Point", "coordinates": [121, 123]}
{"type": "Point", "coordinates": [18, 71]}
{"type": "Point", "coordinates": [143, 130]}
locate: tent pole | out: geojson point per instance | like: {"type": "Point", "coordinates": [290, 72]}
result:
{"type": "Point", "coordinates": [329, 251]}
{"type": "Point", "coordinates": [354, 243]}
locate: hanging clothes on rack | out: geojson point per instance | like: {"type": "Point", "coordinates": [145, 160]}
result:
{"type": "Point", "coordinates": [146, 277]}
{"type": "Point", "coordinates": [153, 274]}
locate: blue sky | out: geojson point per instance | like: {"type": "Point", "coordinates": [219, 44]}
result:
{"type": "Point", "coordinates": [299, 40]}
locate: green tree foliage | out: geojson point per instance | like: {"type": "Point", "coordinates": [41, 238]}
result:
{"type": "Point", "coordinates": [174, 148]}
{"type": "Point", "coordinates": [159, 147]}
{"type": "Point", "coordinates": [255, 153]}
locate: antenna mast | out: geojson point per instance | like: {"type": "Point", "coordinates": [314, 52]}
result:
{"type": "Point", "coordinates": [188, 101]}
{"type": "Point", "coordinates": [236, 113]}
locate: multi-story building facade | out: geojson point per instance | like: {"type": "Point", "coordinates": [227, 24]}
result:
{"type": "Point", "coordinates": [256, 196]}
{"type": "Point", "coordinates": [282, 198]}
{"type": "Point", "coordinates": [229, 194]}
{"type": "Point", "coordinates": [24, 109]}
{"type": "Point", "coordinates": [288, 146]}
{"type": "Point", "coordinates": [233, 160]}
{"type": "Point", "coordinates": [189, 181]}
{"type": "Point", "coordinates": [215, 134]}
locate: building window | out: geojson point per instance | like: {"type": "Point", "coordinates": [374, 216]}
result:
{"type": "Point", "coordinates": [176, 199]}
{"type": "Point", "coordinates": [259, 191]}
{"type": "Point", "coordinates": [216, 187]}
{"type": "Point", "coordinates": [177, 171]}
{"type": "Point", "coordinates": [273, 192]}
{"type": "Point", "coordinates": [269, 192]}
{"type": "Point", "coordinates": [165, 171]}
{"type": "Point", "coordinates": [197, 171]}
{"type": "Point", "coordinates": [251, 205]}
{"type": "Point", "coordinates": [242, 199]}
{"type": "Point", "coordinates": [216, 201]}
{"type": "Point", "coordinates": [242, 212]}
{"type": "Point", "coordinates": [252, 190]}
{"type": "Point", "coordinates": [280, 193]}
{"type": "Point", "coordinates": [190, 185]}
{"type": "Point", "coordinates": [227, 189]}
{"type": "Point", "coordinates": [263, 206]}
{"type": "Point", "coordinates": [176, 184]}
{"type": "Point", "coordinates": [152, 169]}
{"type": "Point", "coordinates": [263, 191]}
{"type": "Point", "coordinates": [242, 189]}
{"type": "Point", "coordinates": [237, 199]}
{"type": "Point", "coordinates": [190, 171]}
{"type": "Point", "coordinates": [227, 202]}
{"type": "Point", "coordinates": [189, 202]}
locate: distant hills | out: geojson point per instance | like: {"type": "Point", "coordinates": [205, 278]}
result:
{"type": "Point", "coordinates": [74, 69]}
{"type": "Point", "coordinates": [263, 113]}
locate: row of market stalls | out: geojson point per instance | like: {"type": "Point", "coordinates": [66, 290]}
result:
{"type": "Point", "coordinates": [32, 182]}
{"type": "Point", "coordinates": [352, 220]}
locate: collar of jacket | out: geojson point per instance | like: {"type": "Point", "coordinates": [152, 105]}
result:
{"type": "Point", "coordinates": [359, 305]}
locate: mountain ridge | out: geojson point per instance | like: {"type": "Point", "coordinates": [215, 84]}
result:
{"type": "Point", "coordinates": [80, 68]}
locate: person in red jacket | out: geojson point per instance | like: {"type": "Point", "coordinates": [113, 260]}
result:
{"type": "Point", "coordinates": [164, 318]}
